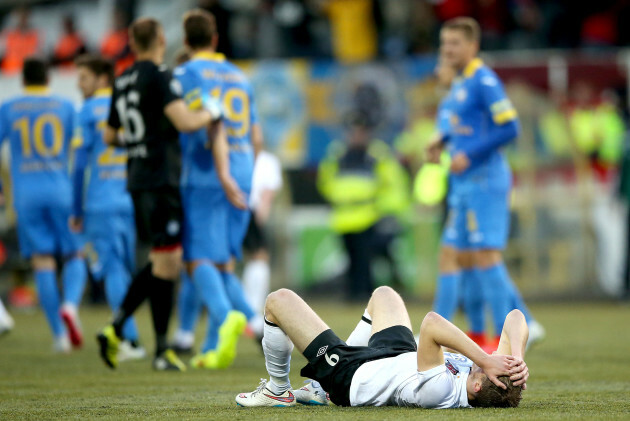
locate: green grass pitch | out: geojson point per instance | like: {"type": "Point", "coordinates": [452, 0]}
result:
{"type": "Point", "coordinates": [581, 371]}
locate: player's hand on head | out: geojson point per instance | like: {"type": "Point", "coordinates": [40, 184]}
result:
{"type": "Point", "coordinates": [519, 373]}
{"type": "Point", "coordinates": [460, 163]}
{"type": "Point", "coordinates": [497, 365]}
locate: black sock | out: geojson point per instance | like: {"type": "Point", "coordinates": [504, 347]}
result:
{"type": "Point", "coordinates": [136, 294]}
{"type": "Point", "coordinates": [161, 298]}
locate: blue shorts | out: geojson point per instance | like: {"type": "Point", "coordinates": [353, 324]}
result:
{"type": "Point", "coordinates": [213, 229]}
{"type": "Point", "coordinates": [44, 230]}
{"type": "Point", "coordinates": [109, 236]}
{"type": "Point", "coordinates": [477, 220]}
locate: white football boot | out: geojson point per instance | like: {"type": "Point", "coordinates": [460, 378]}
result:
{"type": "Point", "coordinates": [61, 344]}
{"type": "Point", "coordinates": [311, 394]}
{"type": "Point", "coordinates": [265, 397]}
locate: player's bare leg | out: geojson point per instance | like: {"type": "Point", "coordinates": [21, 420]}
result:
{"type": "Point", "coordinates": [387, 309]}
{"type": "Point", "coordinates": [297, 319]}
{"type": "Point", "coordinates": [288, 320]}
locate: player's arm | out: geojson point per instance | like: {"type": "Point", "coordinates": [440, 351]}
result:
{"type": "Point", "coordinates": [221, 155]}
{"type": "Point", "coordinates": [437, 332]}
{"type": "Point", "coordinates": [178, 112]}
{"type": "Point", "coordinates": [513, 340]}
{"type": "Point", "coordinates": [80, 145]}
{"type": "Point", "coordinates": [257, 139]}
{"type": "Point", "coordinates": [505, 127]}
{"type": "Point", "coordinates": [186, 120]}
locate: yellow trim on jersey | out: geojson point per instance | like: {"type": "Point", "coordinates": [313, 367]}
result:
{"type": "Point", "coordinates": [505, 116]}
{"type": "Point", "coordinates": [77, 141]}
{"type": "Point", "coordinates": [36, 90]}
{"type": "Point", "coordinates": [103, 92]}
{"type": "Point", "coordinates": [207, 55]}
{"type": "Point", "coordinates": [472, 67]}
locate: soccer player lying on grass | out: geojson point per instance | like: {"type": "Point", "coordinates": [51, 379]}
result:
{"type": "Point", "coordinates": [381, 365]}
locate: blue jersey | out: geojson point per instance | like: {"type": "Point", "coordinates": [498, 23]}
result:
{"type": "Point", "coordinates": [211, 74]}
{"type": "Point", "coordinates": [106, 166]}
{"type": "Point", "coordinates": [479, 106]}
{"type": "Point", "coordinates": [443, 116]}
{"type": "Point", "coordinates": [40, 128]}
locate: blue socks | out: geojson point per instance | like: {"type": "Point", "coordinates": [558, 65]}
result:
{"type": "Point", "coordinates": [495, 292]}
{"type": "Point", "coordinates": [209, 287]}
{"type": "Point", "coordinates": [46, 282]}
{"type": "Point", "coordinates": [474, 308]}
{"type": "Point", "coordinates": [188, 304]}
{"type": "Point", "coordinates": [212, 336]}
{"type": "Point", "coordinates": [74, 277]}
{"type": "Point", "coordinates": [236, 294]}
{"type": "Point", "coordinates": [516, 299]}
{"type": "Point", "coordinates": [117, 279]}
{"type": "Point", "coordinates": [447, 295]}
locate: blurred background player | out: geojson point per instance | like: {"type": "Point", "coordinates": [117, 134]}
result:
{"type": "Point", "coordinates": [215, 196]}
{"type": "Point", "coordinates": [40, 128]}
{"type": "Point", "coordinates": [146, 103]}
{"type": "Point", "coordinates": [363, 182]}
{"type": "Point", "coordinates": [266, 183]}
{"type": "Point", "coordinates": [482, 120]}
{"type": "Point", "coordinates": [103, 210]}
{"type": "Point", "coordinates": [70, 46]}
{"type": "Point", "coordinates": [20, 42]}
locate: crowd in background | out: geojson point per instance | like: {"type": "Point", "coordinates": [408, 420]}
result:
{"type": "Point", "coordinates": [350, 31]}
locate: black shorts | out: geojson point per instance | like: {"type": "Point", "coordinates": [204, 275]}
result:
{"type": "Point", "coordinates": [158, 217]}
{"type": "Point", "coordinates": [255, 237]}
{"type": "Point", "coordinates": [333, 363]}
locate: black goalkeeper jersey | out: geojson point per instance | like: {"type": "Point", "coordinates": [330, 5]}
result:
{"type": "Point", "coordinates": [139, 97]}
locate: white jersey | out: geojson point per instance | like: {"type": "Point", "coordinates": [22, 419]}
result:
{"type": "Point", "coordinates": [267, 176]}
{"type": "Point", "coordinates": [396, 381]}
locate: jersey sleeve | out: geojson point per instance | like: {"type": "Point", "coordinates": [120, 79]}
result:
{"type": "Point", "coordinates": [443, 118]}
{"type": "Point", "coordinates": [495, 100]}
{"type": "Point", "coordinates": [436, 387]}
{"type": "Point", "coordinates": [190, 87]}
{"type": "Point", "coordinates": [114, 119]}
{"type": "Point", "coordinates": [168, 89]}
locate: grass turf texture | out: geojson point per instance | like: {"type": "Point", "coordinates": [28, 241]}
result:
{"type": "Point", "coordinates": [581, 371]}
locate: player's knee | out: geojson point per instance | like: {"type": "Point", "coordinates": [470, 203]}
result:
{"type": "Point", "coordinates": [429, 319]}
{"type": "Point", "coordinates": [167, 265]}
{"type": "Point", "coordinates": [448, 260]}
{"type": "Point", "coordinates": [465, 260]}
{"type": "Point", "coordinates": [277, 298]}
{"type": "Point", "coordinates": [487, 258]}
{"type": "Point", "coordinates": [43, 262]}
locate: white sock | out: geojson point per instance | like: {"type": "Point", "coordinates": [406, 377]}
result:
{"type": "Point", "coordinates": [361, 334]}
{"type": "Point", "coordinates": [277, 348]}
{"type": "Point", "coordinates": [256, 283]}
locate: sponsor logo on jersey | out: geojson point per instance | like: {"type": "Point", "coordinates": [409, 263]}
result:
{"type": "Point", "coordinates": [451, 368]}
{"type": "Point", "coordinates": [321, 351]}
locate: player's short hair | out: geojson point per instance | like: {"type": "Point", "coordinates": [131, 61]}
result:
{"type": "Point", "coordinates": [96, 64]}
{"type": "Point", "coordinates": [466, 25]}
{"type": "Point", "coordinates": [144, 33]}
{"type": "Point", "coordinates": [492, 396]}
{"type": "Point", "coordinates": [200, 28]}
{"type": "Point", "coordinates": [35, 71]}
